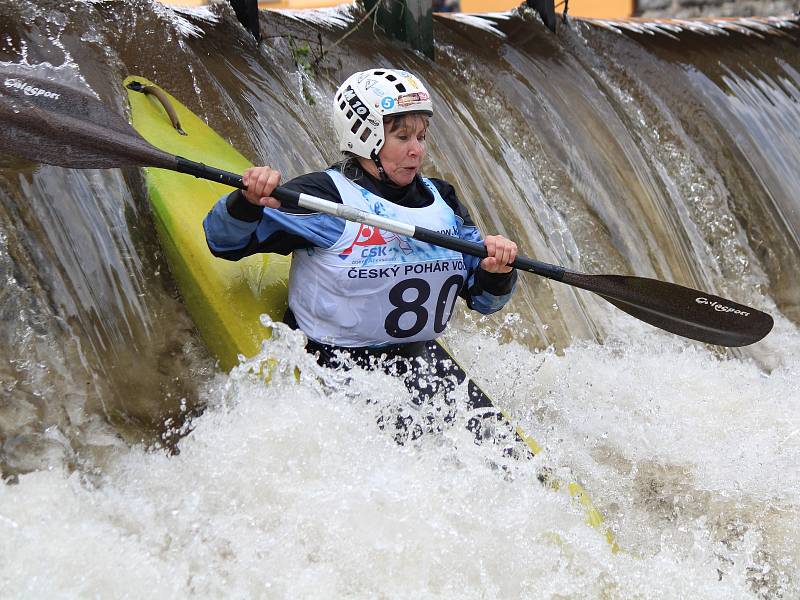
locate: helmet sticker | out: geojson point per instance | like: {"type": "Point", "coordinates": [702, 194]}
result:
{"type": "Point", "coordinates": [352, 99]}
{"type": "Point", "coordinates": [387, 103]}
{"type": "Point", "coordinates": [412, 98]}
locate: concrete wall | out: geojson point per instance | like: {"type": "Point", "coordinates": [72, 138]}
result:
{"type": "Point", "coordinates": [715, 8]}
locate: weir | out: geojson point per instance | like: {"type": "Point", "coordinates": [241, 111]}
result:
{"type": "Point", "coordinates": [663, 149]}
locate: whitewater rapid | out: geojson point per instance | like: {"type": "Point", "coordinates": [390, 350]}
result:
{"type": "Point", "coordinates": [290, 489]}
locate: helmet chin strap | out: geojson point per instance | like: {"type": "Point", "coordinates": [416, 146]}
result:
{"type": "Point", "coordinates": [381, 172]}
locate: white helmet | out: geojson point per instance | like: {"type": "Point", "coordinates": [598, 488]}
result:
{"type": "Point", "coordinates": [362, 101]}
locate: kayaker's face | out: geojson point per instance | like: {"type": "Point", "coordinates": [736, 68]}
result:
{"type": "Point", "coordinates": [404, 147]}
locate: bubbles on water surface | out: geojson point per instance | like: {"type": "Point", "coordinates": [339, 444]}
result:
{"type": "Point", "coordinates": [290, 488]}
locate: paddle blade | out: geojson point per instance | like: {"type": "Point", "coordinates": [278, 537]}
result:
{"type": "Point", "coordinates": [678, 309]}
{"type": "Point", "coordinates": [48, 122]}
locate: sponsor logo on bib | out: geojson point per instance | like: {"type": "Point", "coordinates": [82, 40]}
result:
{"type": "Point", "coordinates": [371, 243]}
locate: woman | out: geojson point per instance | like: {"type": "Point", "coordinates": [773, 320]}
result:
{"type": "Point", "coordinates": [354, 290]}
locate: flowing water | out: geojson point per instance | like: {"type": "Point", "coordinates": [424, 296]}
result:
{"type": "Point", "coordinates": [133, 467]}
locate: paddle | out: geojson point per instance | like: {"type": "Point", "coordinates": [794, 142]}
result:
{"type": "Point", "coordinates": [51, 123]}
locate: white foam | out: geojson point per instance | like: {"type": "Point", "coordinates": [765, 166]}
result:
{"type": "Point", "coordinates": [483, 21]}
{"type": "Point", "coordinates": [755, 26]}
{"type": "Point", "coordinates": [290, 490]}
{"type": "Point", "coordinates": [184, 26]}
{"type": "Point", "coordinates": [337, 16]}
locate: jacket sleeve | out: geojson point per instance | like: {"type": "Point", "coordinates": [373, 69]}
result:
{"type": "Point", "coordinates": [235, 228]}
{"type": "Point", "coordinates": [483, 291]}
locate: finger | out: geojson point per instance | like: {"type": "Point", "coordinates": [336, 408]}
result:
{"type": "Point", "coordinates": [249, 179]}
{"type": "Point", "coordinates": [252, 172]}
{"type": "Point", "coordinates": [501, 269]}
{"type": "Point", "coordinates": [502, 253]}
{"type": "Point", "coordinates": [261, 182]}
{"type": "Point", "coordinates": [273, 180]}
{"type": "Point", "coordinates": [508, 253]}
{"type": "Point", "coordinates": [268, 181]}
{"type": "Point", "coordinates": [270, 202]}
{"type": "Point", "coordinates": [491, 245]}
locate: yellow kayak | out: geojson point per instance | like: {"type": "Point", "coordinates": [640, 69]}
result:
{"type": "Point", "coordinates": [225, 299]}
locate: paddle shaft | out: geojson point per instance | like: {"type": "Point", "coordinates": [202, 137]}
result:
{"type": "Point", "coordinates": [681, 310]}
{"type": "Point", "coordinates": [292, 198]}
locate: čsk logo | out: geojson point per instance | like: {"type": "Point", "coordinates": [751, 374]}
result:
{"type": "Point", "coordinates": [367, 236]}
{"type": "Point", "coordinates": [721, 307]}
{"type": "Point", "coordinates": [373, 243]}
{"type": "Point", "coordinates": [30, 90]}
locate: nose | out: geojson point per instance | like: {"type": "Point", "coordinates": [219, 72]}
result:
{"type": "Point", "coordinates": [415, 147]}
